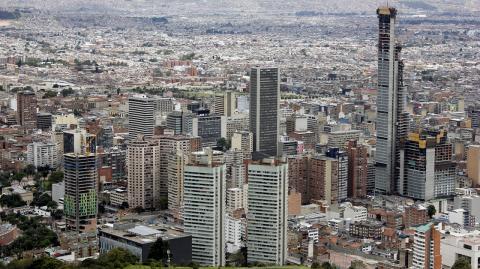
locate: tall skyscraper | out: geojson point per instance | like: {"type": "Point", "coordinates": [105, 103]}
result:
{"type": "Point", "coordinates": [27, 109]}
{"type": "Point", "coordinates": [80, 201]}
{"type": "Point", "coordinates": [141, 116]}
{"type": "Point", "coordinates": [264, 109]}
{"type": "Point", "coordinates": [429, 170]}
{"type": "Point", "coordinates": [357, 169]}
{"type": "Point", "coordinates": [80, 168]}
{"type": "Point", "coordinates": [267, 212]}
{"type": "Point", "coordinates": [143, 162]}
{"type": "Point", "coordinates": [204, 211]}
{"type": "Point", "coordinates": [391, 102]}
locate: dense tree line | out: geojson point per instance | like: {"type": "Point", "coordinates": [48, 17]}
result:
{"type": "Point", "coordinates": [35, 235]}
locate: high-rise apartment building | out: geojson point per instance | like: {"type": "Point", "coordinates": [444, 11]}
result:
{"type": "Point", "coordinates": [143, 169]}
{"type": "Point", "coordinates": [426, 247]}
{"type": "Point", "coordinates": [342, 168]}
{"type": "Point", "coordinates": [42, 155]}
{"type": "Point", "coordinates": [177, 161]}
{"type": "Point", "coordinates": [267, 212]}
{"type": "Point", "coordinates": [391, 101]}
{"type": "Point", "coordinates": [27, 109]}
{"type": "Point", "coordinates": [171, 145]}
{"type": "Point", "coordinates": [264, 109]}
{"type": "Point", "coordinates": [473, 164]}
{"type": "Point", "coordinates": [323, 179]}
{"type": "Point", "coordinates": [298, 171]}
{"type": "Point", "coordinates": [141, 116]}
{"type": "Point", "coordinates": [204, 211]}
{"type": "Point", "coordinates": [357, 169]}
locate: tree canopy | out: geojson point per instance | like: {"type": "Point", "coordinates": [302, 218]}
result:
{"type": "Point", "coordinates": [461, 263]}
{"type": "Point", "coordinates": [159, 251]}
{"type": "Point", "coordinates": [12, 200]}
{"type": "Point", "coordinates": [431, 211]}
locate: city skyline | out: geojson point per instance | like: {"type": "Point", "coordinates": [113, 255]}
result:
{"type": "Point", "coordinates": [292, 134]}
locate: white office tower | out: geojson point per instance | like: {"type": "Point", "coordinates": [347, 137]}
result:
{"type": "Point", "coordinates": [141, 116]}
{"type": "Point", "coordinates": [204, 210]}
{"type": "Point", "coordinates": [267, 212]}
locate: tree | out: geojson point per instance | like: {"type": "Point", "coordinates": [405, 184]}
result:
{"type": "Point", "coordinates": [50, 94]}
{"type": "Point", "coordinates": [42, 199]}
{"type": "Point", "coordinates": [431, 211]}
{"type": "Point", "coordinates": [67, 92]}
{"type": "Point", "coordinates": [159, 251]}
{"type": "Point", "coordinates": [18, 176]}
{"type": "Point", "coordinates": [124, 205]}
{"type": "Point", "coordinates": [57, 214]}
{"type": "Point", "coordinates": [357, 265]}
{"type": "Point", "coordinates": [223, 144]}
{"type": "Point", "coordinates": [461, 263]}
{"type": "Point", "coordinates": [45, 262]}
{"type": "Point", "coordinates": [56, 177]}
{"type": "Point", "coordinates": [117, 258]}
{"type": "Point", "coordinates": [163, 203]}
{"type": "Point", "coordinates": [35, 235]}
{"type": "Point", "coordinates": [327, 265]}
{"type": "Point", "coordinates": [12, 200]}
{"type": "Point", "coordinates": [138, 209]}
{"type": "Point", "coordinates": [29, 169]}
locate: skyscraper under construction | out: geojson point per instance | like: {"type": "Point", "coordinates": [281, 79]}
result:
{"type": "Point", "coordinates": [391, 102]}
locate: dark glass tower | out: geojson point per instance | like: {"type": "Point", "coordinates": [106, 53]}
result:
{"type": "Point", "coordinates": [391, 115]}
{"type": "Point", "coordinates": [264, 107]}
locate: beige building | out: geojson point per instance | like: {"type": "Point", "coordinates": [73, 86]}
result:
{"type": "Point", "coordinates": [234, 199]}
{"type": "Point", "coordinates": [473, 164]}
{"type": "Point", "coordinates": [170, 144]}
{"type": "Point", "coordinates": [176, 165]}
{"type": "Point", "coordinates": [143, 166]}
{"type": "Point", "coordinates": [225, 104]}
{"type": "Point", "coordinates": [243, 141]}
